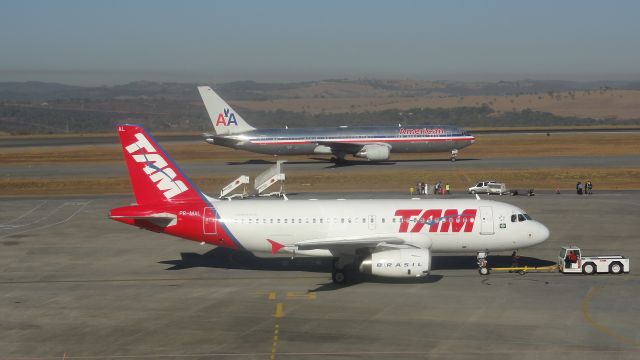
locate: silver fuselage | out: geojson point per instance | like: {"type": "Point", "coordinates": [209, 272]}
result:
{"type": "Point", "coordinates": [307, 141]}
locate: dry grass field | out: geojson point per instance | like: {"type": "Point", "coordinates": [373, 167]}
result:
{"type": "Point", "coordinates": [597, 104]}
{"type": "Point", "coordinates": [389, 178]}
{"type": "Point", "coordinates": [322, 181]}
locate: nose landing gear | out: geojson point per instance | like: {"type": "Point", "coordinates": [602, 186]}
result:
{"type": "Point", "coordinates": [454, 155]}
{"type": "Point", "coordinates": [483, 269]}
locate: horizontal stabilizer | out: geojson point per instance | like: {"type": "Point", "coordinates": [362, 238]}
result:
{"type": "Point", "coordinates": [133, 214]}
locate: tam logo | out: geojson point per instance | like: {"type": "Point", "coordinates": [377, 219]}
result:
{"type": "Point", "coordinates": [156, 167]}
{"type": "Point", "coordinates": [226, 118]}
{"type": "Point", "coordinates": [449, 220]}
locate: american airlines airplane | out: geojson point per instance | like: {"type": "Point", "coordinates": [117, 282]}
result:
{"type": "Point", "coordinates": [389, 238]}
{"type": "Point", "coordinates": [374, 143]}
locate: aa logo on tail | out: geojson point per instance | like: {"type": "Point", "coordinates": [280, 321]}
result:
{"type": "Point", "coordinates": [226, 118]}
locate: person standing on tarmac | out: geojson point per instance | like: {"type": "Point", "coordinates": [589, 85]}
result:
{"type": "Point", "coordinates": [447, 188]}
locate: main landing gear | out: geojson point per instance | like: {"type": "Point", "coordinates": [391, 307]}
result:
{"type": "Point", "coordinates": [483, 269]}
{"type": "Point", "coordinates": [338, 159]}
{"type": "Point", "coordinates": [342, 270]}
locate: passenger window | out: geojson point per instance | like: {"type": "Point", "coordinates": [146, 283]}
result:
{"type": "Point", "coordinates": [278, 220]}
{"type": "Point", "coordinates": [342, 220]}
{"type": "Point", "coordinates": [364, 221]}
{"type": "Point", "coordinates": [382, 220]}
{"type": "Point", "coordinates": [285, 221]}
{"type": "Point", "coordinates": [314, 220]}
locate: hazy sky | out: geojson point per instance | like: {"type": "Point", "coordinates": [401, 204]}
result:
{"type": "Point", "coordinates": [106, 42]}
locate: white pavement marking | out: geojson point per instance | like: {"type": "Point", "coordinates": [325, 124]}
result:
{"type": "Point", "coordinates": [83, 205]}
{"type": "Point", "coordinates": [8, 224]}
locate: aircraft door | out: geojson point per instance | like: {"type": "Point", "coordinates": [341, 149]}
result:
{"type": "Point", "coordinates": [371, 221]}
{"type": "Point", "coordinates": [209, 221]}
{"type": "Point", "coordinates": [486, 220]}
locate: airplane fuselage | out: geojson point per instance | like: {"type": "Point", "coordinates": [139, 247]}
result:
{"type": "Point", "coordinates": [309, 141]}
{"type": "Point", "coordinates": [458, 225]}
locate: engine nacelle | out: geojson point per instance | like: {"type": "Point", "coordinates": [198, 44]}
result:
{"type": "Point", "coordinates": [374, 152]}
{"type": "Point", "coordinates": [398, 263]}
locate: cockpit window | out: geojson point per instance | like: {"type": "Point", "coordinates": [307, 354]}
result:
{"type": "Point", "coordinates": [520, 217]}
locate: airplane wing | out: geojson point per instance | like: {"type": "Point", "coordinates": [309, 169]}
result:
{"type": "Point", "coordinates": [342, 147]}
{"type": "Point", "coordinates": [349, 244]}
{"type": "Point", "coordinates": [377, 151]}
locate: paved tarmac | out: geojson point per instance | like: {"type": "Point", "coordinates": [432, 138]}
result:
{"type": "Point", "coordinates": [253, 168]}
{"type": "Point", "coordinates": [76, 285]}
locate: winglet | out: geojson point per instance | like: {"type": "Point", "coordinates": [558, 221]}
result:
{"type": "Point", "coordinates": [275, 246]}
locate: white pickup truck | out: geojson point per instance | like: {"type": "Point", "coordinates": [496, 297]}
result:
{"type": "Point", "coordinates": [570, 260]}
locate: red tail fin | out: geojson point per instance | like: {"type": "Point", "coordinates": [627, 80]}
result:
{"type": "Point", "coordinates": [154, 176]}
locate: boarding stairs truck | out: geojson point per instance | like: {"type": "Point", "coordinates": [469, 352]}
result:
{"type": "Point", "coordinates": [268, 178]}
{"type": "Point", "coordinates": [570, 260]}
{"type": "Point", "coordinates": [225, 193]}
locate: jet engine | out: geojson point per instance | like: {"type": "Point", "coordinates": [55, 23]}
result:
{"type": "Point", "coordinates": [374, 152]}
{"type": "Point", "coordinates": [398, 263]}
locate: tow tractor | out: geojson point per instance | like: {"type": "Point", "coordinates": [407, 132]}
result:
{"type": "Point", "coordinates": [570, 261]}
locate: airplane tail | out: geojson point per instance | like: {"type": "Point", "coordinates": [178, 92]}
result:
{"type": "Point", "coordinates": [224, 119]}
{"type": "Point", "coordinates": [155, 177]}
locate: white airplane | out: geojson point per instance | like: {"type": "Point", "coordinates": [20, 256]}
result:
{"type": "Point", "coordinates": [374, 143]}
{"type": "Point", "coordinates": [389, 238]}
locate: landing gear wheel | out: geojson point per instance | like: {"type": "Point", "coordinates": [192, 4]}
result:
{"type": "Point", "coordinates": [339, 277]}
{"type": "Point", "coordinates": [615, 268]}
{"type": "Point", "coordinates": [453, 159]}
{"type": "Point", "coordinates": [483, 271]}
{"type": "Point", "coordinates": [588, 269]}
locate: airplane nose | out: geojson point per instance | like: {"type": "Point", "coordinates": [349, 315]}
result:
{"type": "Point", "coordinates": [542, 233]}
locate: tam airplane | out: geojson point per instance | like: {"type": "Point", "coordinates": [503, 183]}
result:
{"type": "Point", "coordinates": [389, 238]}
{"type": "Point", "coordinates": [374, 143]}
